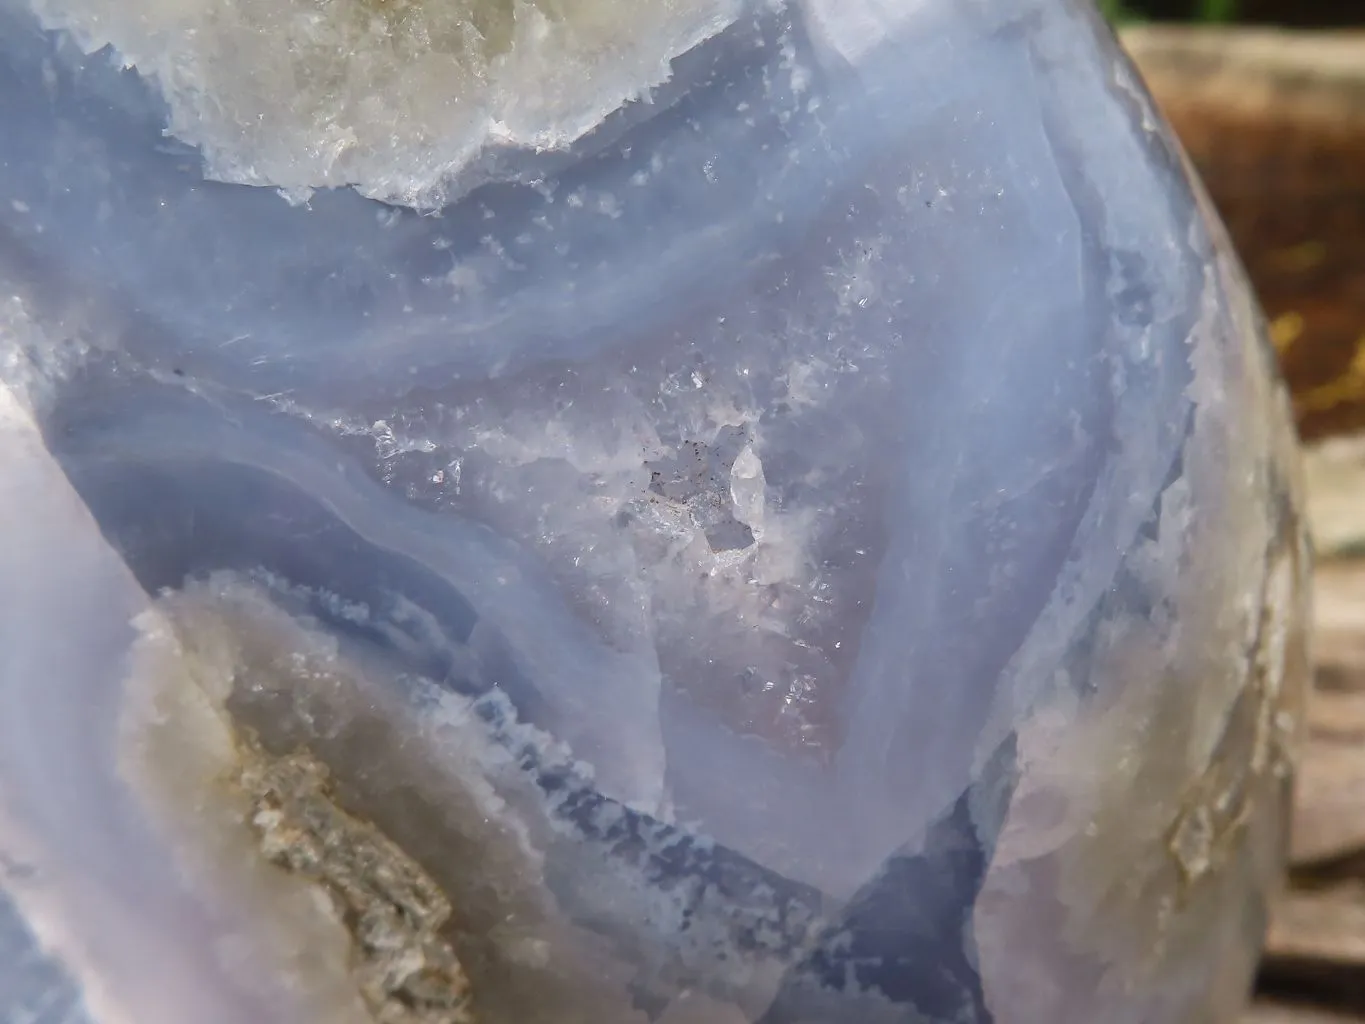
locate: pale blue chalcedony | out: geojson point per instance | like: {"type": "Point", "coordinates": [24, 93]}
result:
{"type": "Point", "coordinates": [843, 497]}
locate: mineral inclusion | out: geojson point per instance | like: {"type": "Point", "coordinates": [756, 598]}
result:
{"type": "Point", "coordinates": [696, 512]}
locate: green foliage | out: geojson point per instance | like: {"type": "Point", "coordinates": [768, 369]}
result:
{"type": "Point", "coordinates": [1215, 10]}
{"type": "Point", "coordinates": [1123, 12]}
{"type": "Point", "coordinates": [1118, 12]}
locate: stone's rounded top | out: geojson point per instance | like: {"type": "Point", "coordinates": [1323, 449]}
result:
{"type": "Point", "coordinates": [854, 28]}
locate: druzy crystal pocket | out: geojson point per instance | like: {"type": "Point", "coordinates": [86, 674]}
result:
{"type": "Point", "coordinates": [718, 512]}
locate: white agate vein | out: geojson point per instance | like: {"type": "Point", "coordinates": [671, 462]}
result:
{"type": "Point", "coordinates": [394, 97]}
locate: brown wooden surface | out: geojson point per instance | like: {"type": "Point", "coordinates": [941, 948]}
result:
{"type": "Point", "coordinates": [1275, 123]}
{"type": "Point", "coordinates": [1316, 943]}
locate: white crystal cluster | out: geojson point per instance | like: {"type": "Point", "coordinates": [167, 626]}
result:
{"type": "Point", "coordinates": [394, 97]}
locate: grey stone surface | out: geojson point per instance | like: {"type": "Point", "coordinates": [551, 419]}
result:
{"type": "Point", "coordinates": [847, 489]}
{"type": "Point", "coordinates": [36, 989]}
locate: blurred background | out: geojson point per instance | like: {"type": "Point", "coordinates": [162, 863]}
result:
{"type": "Point", "coordinates": [1268, 98]}
{"type": "Point", "coordinates": [1286, 13]}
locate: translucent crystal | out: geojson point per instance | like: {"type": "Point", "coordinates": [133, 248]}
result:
{"type": "Point", "coordinates": [713, 512]}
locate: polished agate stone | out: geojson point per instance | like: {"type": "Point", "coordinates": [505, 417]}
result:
{"type": "Point", "coordinates": [711, 512]}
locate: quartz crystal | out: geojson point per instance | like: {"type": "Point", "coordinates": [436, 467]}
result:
{"type": "Point", "coordinates": [627, 511]}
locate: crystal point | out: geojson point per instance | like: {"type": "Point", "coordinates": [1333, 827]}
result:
{"type": "Point", "coordinates": [717, 512]}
